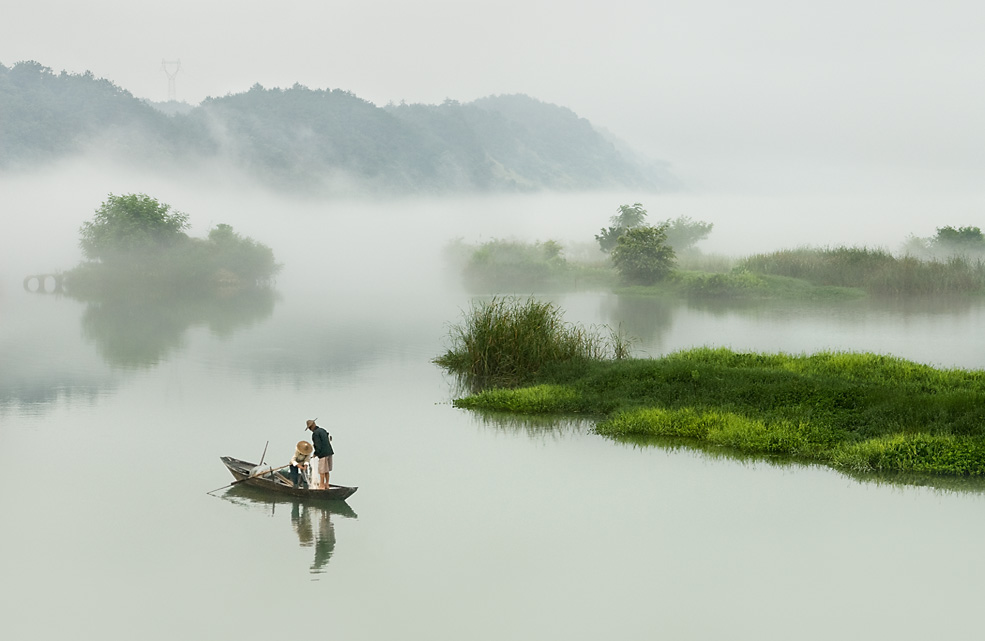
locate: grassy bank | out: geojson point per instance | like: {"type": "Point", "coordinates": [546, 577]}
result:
{"type": "Point", "coordinates": [857, 412]}
{"type": "Point", "coordinates": [742, 284]}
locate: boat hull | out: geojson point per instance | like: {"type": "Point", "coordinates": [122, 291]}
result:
{"type": "Point", "coordinates": [279, 481]}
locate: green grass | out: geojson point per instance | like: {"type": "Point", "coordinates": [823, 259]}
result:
{"type": "Point", "coordinates": [741, 283]}
{"type": "Point", "coordinates": [509, 265]}
{"type": "Point", "coordinates": [506, 341]}
{"type": "Point", "coordinates": [914, 453]}
{"type": "Point", "coordinates": [538, 399]}
{"type": "Point", "coordinates": [839, 273]}
{"type": "Point", "coordinates": [875, 271]}
{"type": "Point", "coordinates": [854, 411]}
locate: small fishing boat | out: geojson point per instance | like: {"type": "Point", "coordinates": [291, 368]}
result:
{"type": "Point", "coordinates": [278, 480]}
{"type": "Point", "coordinates": [244, 494]}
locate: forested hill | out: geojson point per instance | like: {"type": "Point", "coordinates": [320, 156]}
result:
{"type": "Point", "coordinates": [314, 140]}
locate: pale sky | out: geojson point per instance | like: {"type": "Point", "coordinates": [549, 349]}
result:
{"type": "Point", "coordinates": [760, 94]}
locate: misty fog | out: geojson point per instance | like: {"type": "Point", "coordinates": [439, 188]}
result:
{"type": "Point", "coordinates": [784, 125]}
{"type": "Point", "coordinates": [356, 262]}
{"type": "Point", "coordinates": [357, 241]}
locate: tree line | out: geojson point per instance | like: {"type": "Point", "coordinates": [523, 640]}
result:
{"type": "Point", "coordinates": [316, 139]}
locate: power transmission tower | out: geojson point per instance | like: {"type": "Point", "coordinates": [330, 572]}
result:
{"type": "Point", "coordinates": [171, 74]}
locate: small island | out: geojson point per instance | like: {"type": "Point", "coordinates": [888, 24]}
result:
{"type": "Point", "coordinates": [855, 412]}
{"type": "Point", "coordinates": [145, 281]}
{"type": "Point", "coordinates": [633, 257]}
{"type": "Point", "coordinates": [136, 244]}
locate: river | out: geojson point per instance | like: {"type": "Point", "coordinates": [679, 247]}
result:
{"type": "Point", "coordinates": [112, 422]}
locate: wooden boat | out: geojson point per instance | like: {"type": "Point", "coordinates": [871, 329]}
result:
{"type": "Point", "coordinates": [280, 481]}
{"type": "Point", "coordinates": [242, 493]}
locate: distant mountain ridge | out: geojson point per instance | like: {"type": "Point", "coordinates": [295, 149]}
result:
{"type": "Point", "coordinates": [315, 139]}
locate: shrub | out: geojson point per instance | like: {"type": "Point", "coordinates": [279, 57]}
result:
{"type": "Point", "coordinates": [642, 255]}
{"type": "Point", "coordinates": [507, 340]}
{"type": "Point", "coordinates": [131, 224]}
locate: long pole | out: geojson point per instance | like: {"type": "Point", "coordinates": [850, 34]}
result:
{"type": "Point", "coordinates": [265, 472]}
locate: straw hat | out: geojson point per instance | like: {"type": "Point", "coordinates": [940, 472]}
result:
{"type": "Point", "coordinates": [305, 447]}
{"type": "Point", "coordinates": [310, 424]}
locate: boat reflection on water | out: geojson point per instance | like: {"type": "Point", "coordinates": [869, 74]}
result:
{"type": "Point", "coordinates": [311, 520]}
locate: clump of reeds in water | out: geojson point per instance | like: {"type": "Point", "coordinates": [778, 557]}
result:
{"type": "Point", "coordinates": [506, 341]}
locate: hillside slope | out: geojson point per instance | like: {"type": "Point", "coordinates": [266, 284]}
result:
{"type": "Point", "coordinates": [314, 140]}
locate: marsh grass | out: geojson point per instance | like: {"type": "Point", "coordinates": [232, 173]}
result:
{"type": "Point", "coordinates": [506, 341]}
{"type": "Point", "coordinates": [853, 411]}
{"type": "Point", "coordinates": [509, 265]}
{"type": "Point", "coordinates": [744, 284]}
{"type": "Point", "coordinates": [537, 399]}
{"type": "Point", "coordinates": [695, 260]}
{"type": "Point", "coordinates": [874, 270]}
{"type": "Point", "coordinates": [741, 284]}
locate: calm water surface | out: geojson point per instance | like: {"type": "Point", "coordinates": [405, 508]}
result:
{"type": "Point", "coordinates": [464, 527]}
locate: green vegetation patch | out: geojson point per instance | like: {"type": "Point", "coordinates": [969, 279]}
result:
{"type": "Point", "coordinates": [918, 453]}
{"type": "Point", "coordinates": [855, 411]}
{"type": "Point", "coordinates": [136, 246]}
{"type": "Point", "coordinates": [873, 270]}
{"type": "Point", "coordinates": [740, 284]}
{"type": "Point", "coordinates": [722, 428]}
{"type": "Point", "coordinates": [508, 265]}
{"type": "Point", "coordinates": [506, 341]}
{"type": "Point", "coordinates": [538, 399]}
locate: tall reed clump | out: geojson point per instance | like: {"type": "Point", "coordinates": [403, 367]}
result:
{"type": "Point", "coordinates": [506, 341]}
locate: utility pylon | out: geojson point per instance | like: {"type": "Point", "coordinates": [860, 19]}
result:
{"type": "Point", "coordinates": [171, 74]}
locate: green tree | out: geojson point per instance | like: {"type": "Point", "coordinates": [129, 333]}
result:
{"type": "Point", "coordinates": [642, 255]}
{"type": "Point", "coordinates": [250, 261]}
{"type": "Point", "coordinates": [683, 233]}
{"type": "Point", "coordinates": [960, 240]}
{"type": "Point", "coordinates": [131, 224]}
{"type": "Point", "coordinates": [627, 217]}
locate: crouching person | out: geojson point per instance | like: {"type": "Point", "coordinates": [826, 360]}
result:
{"type": "Point", "coordinates": [300, 464]}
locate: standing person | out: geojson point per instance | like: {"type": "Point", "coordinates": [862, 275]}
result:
{"type": "Point", "coordinates": [300, 462]}
{"type": "Point", "coordinates": [323, 450]}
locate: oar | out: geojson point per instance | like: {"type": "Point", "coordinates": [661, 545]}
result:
{"type": "Point", "coordinates": [264, 473]}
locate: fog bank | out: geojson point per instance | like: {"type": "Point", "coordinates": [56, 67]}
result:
{"type": "Point", "coordinates": [392, 243]}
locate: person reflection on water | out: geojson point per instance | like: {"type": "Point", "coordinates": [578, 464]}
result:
{"type": "Point", "coordinates": [300, 464]}
{"type": "Point", "coordinates": [322, 539]}
{"type": "Point", "coordinates": [323, 451]}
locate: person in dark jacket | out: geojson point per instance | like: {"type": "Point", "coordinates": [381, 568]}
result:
{"type": "Point", "coordinates": [323, 451]}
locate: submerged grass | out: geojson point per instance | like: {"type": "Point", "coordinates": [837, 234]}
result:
{"type": "Point", "coordinates": [854, 411]}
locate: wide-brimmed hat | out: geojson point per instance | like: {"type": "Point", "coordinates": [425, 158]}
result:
{"type": "Point", "coordinates": [309, 424]}
{"type": "Point", "coordinates": [305, 447]}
